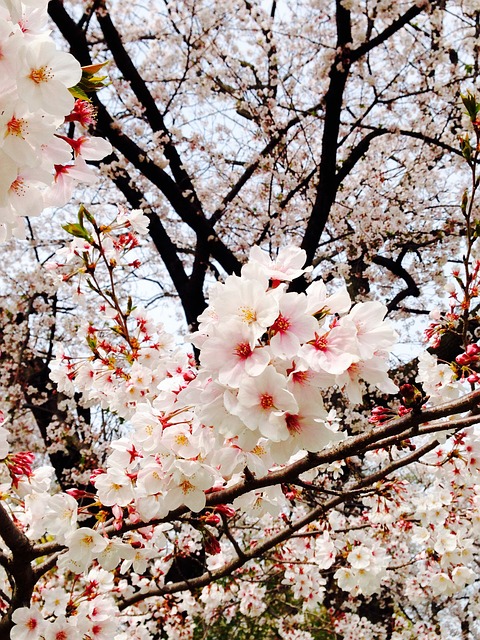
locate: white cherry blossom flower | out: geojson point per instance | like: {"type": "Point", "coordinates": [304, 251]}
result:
{"type": "Point", "coordinates": [55, 600]}
{"type": "Point", "coordinates": [333, 351]}
{"type": "Point", "coordinates": [373, 332]}
{"type": "Point", "coordinates": [44, 76]}
{"type": "Point", "coordinates": [84, 544]}
{"type": "Point", "coordinates": [22, 133]}
{"type": "Point", "coordinates": [29, 624]}
{"type": "Point", "coordinates": [285, 267]}
{"type": "Point", "coordinates": [187, 486]}
{"type": "Point", "coordinates": [65, 180]}
{"type": "Point", "coordinates": [232, 351]}
{"type": "Point", "coordinates": [61, 514]}
{"type": "Point", "coordinates": [292, 327]}
{"type": "Point", "coordinates": [137, 219]}
{"type": "Point", "coordinates": [62, 629]}
{"type": "Point", "coordinates": [319, 302]}
{"type": "Point", "coordinates": [246, 301]}
{"type": "Point", "coordinates": [114, 487]}
{"type": "Point", "coordinates": [262, 403]}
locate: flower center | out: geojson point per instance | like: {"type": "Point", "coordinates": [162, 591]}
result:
{"type": "Point", "coordinates": [32, 624]}
{"type": "Point", "coordinates": [321, 342]}
{"type": "Point", "coordinates": [181, 439]}
{"type": "Point", "coordinates": [87, 541]}
{"type": "Point", "coordinates": [186, 487]}
{"type": "Point", "coordinates": [16, 126]}
{"type": "Point", "coordinates": [300, 377]}
{"type": "Point", "coordinates": [43, 74]}
{"type": "Point", "coordinates": [243, 350]}
{"type": "Point", "coordinates": [248, 314]}
{"type": "Point", "coordinates": [281, 324]}
{"type": "Point", "coordinates": [17, 187]}
{"type": "Point", "coordinates": [266, 401]}
{"type": "Point", "coordinates": [293, 423]}
{"type": "Point", "coordinates": [258, 450]}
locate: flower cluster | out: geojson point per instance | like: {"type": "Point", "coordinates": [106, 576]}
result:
{"type": "Point", "coordinates": [39, 167]}
{"type": "Point", "coordinates": [266, 355]}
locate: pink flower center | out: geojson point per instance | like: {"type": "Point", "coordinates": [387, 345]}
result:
{"type": "Point", "coordinates": [281, 324]}
{"type": "Point", "coordinates": [321, 342]}
{"type": "Point", "coordinates": [300, 377]}
{"type": "Point", "coordinates": [243, 350]}
{"type": "Point", "coordinates": [266, 401]}
{"type": "Point", "coordinates": [32, 624]}
{"type": "Point", "coordinates": [293, 423]}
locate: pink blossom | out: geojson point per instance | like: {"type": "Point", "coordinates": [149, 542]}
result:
{"type": "Point", "coordinates": [292, 327]}
{"type": "Point", "coordinates": [262, 403]}
{"type": "Point", "coordinates": [29, 624]}
{"type": "Point", "coordinates": [233, 351]}
{"type": "Point", "coordinates": [333, 351]}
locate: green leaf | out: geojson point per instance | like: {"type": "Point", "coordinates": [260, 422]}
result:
{"type": "Point", "coordinates": [471, 105]}
{"type": "Point", "coordinates": [466, 148]}
{"type": "Point", "coordinates": [78, 93]}
{"type": "Point", "coordinates": [78, 231]}
{"type": "Point", "coordinates": [83, 211]}
{"type": "Point", "coordinates": [92, 69]}
{"type": "Point", "coordinates": [476, 230]}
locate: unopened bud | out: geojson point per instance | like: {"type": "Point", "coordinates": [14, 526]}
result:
{"type": "Point", "coordinates": [226, 509]}
{"type": "Point", "coordinates": [212, 519]}
{"type": "Point", "coordinates": [472, 349]}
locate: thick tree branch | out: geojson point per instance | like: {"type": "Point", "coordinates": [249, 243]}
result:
{"type": "Point", "coordinates": [145, 98]}
{"type": "Point", "coordinates": [329, 180]}
{"type": "Point", "coordinates": [19, 570]}
{"type": "Point", "coordinates": [327, 188]}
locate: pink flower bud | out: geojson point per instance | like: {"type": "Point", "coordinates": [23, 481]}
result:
{"type": "Point", "coordinates": [212, 546]}
{"type": "Point", "coordinates": [78, 493]}
{"type": "Point", "coordinates": [226, 509]}
{"type": "Point", "coordinates": [212, 519]}
{"type": "Point", "coordinates": [94, 475]}
{"type": "Point", "coordinates": [472, 349]}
